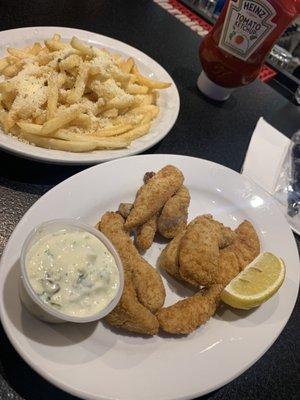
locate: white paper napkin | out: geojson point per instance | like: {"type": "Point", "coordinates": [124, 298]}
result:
{"type": "Point", "coordinates": [263, 164]}
{"type": "Point", "coordinates": [266, 153]}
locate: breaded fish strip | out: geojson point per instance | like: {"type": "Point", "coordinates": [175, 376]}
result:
{"type": "Point", "coordinates": [130, 314]}
{"type": "Point", "coordinates": [187, 315]}
{"type": "Point", "coordinates": [199, 250]}
{"type": "Point", "coordinates": [174, 214]}
{"type": "Point", "coordinates": [145, 234]}
{"type": "Point", "coordinates": [232, 259]}
{"type": "Point", "coordinates": [228, 267]}
{"type": "Point", "coordinates": [124, 209]}
{"type": "Point", "coordinates": [168, 259]}
{"type": "Point", "coordinates": [235, 257]}
{"type": "Point", "coordinates": [146, 280]}
{"type": "Point", "coordinates": [152, 196]}
{"type": "Point", "coordinates": [245, 245]}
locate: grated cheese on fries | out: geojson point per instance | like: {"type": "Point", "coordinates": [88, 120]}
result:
{"type": "Point", "coordinates": [74, 97]}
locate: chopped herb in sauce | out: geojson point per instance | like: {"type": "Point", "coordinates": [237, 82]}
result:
{"type": "Point", "coordinates": [70, 275]}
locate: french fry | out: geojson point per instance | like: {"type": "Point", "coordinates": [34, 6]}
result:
{"type": "Point", "coordinates": [78, 91]}
{"type": "Point", "coordinates": [120, 102]}
{"type": "Point", "coordinates": [124, 111]}
{"type": "Point", "coordinates": [99, 71]}
{"type": "Point", "coordinates": [117, 58]}
{"type": "Point", "coordinates": [10, 120]}
{"type": "Point", "coordinates": [113, 131]}
{"type": "Point", "coordinates": [58, 144]}
{"type": "Point", "coordinates": [61, 79]}
{"type": "Point", "coordinates": [44, 56]}
{"type": "Point", "coordinates": [154, 112]}
{"type": "Point", "coordinates": [35, 49]}
{"type": "Point", "coordinates": [41, 119]}
{"type": "Point", "coordinates": [155, 96]}
{"type": "Point", "coordinates": [8, 98]}
{"type": "Point", "coordinates": [7, 86]}
{"type": "Point", "coordinates": [128, 119]}
{"type": "Point", "coordinates": [3, 116]}
{"type": "Point", "coordinates": [3, 64]}
{"type": "Point", "coordinates": [147, 99]}
{"type": "Point", "coordinates": [70, 62]}
{"type": "Point", "coordinates": [126, 66]}
{"type": "Point", "coordinates": [55, 45]}
{"type": "Point", "coordinates": [119, 76]}
{"type": "Point", "coordinates": [83, 48]}
{"type": "Point", "coordinates": [56, 36]}
{"type": "Point", "coordinates": [17, 53]}
{"type": "Point", "coordinates": [147, 118]}
{"type": "Point", "coordinates": [13, 69]}
{"type": "Point", "coordinates": [135, 133]}
{"type": "Point", "coordinates": [100, 143]}
{"type": "Point", "coordinates": [59, 121]}
{"type": "Point", "coordinates": [69, 82]}
{"type": "Point", "coordinates": [151, 108]}
{"type": "Point", "coordinates": [112, 113]}
{"type": "Point", "coordinates": [132, 88]}
{"type": "Point", "coordinates": [149, 112]}
{"type": "Point", "coordinates": [151, 83]}
{"type": "Point", "coordinates": [12, 59]}
{"type": "Point", "coordinates": [7, 123]}
{"type": "Point", "coordinates": [52, 96]}
{"type": "Point", "coordinates": [29, 127]}
{"type": "Point", "coordinates": [82, 120]}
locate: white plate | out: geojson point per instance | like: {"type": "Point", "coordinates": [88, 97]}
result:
{"type": "Point", "coordinates": [95, 362]}
{"type": "Point", "coordinates": [168, 100]}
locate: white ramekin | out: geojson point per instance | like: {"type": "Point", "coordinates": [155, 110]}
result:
{"type": "Point", "coordinates": [32, 301]}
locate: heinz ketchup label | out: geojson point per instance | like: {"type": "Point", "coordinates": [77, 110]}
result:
{"type": "Point", "coordinates": [246, 26]}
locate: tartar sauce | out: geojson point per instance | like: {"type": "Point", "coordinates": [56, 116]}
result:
{"type": "Point", "coordinates": [72, 271]}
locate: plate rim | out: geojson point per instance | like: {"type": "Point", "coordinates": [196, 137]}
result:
{"type": "Point", "coordinates": [61, 385]}
{"type": "Point", "coordinates": [51, 159]}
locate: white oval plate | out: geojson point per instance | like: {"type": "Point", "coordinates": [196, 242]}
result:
{"type": "Point", "coordinates": [168, 100]}
{"type": "Point", "coordinates": [95, 362]}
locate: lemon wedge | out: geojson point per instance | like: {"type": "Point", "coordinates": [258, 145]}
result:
{"type": "Point", "coordinates": [259, 281]}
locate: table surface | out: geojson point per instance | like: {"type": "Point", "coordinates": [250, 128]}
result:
{"type": "Point", "coordinates": [205, 129]}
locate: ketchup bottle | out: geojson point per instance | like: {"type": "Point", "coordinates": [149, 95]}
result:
{"type": "Point", "coordinates": [234, 50]}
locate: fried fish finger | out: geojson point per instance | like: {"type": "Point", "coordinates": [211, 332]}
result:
{"type": "Point", "coordinates": [228, 267]}
{"type": "Point", "coordinates": [145, 234]}
{"type": "Point", "coordinates": [174, 214]}
{"type": "Point", "coordinates": [124, 209]}
{"type": "Point", "coordinates": [199, 250]}
{"type": "Point", "coordinates": [246, 245]}
{"type": "Point", "coordinates": [187, 315]}
{"type": "Point", "coordinates": [130, 314]}
{"type": "Point", "coordinates": [168, 259]}
{"type": "Point", "coordinates": [153, 195]}
{"type": "Point", "coordinates": [146, 280]}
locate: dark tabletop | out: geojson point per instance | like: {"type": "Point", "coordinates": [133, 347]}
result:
{"type": "Point", "coordinates": [218, 132]}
